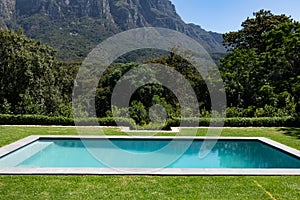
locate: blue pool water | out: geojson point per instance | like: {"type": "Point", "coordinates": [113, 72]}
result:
{"type": "Point", "coordinates": [143, 153]}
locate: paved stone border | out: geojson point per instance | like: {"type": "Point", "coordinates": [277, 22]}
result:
{"type": "Point", "coordinates": [18, 144]}
{"type": "Point", "coordinates": [146, 171]}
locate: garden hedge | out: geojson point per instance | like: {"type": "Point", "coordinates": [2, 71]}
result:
{"type": "Point", "coordinates": [63, 121]}
{"type": "Point", "coordinates": [188, 122]}
{"type": "Point", "coordinates": [236, 122]}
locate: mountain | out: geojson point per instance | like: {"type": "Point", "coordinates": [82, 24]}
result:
{"type": "Point", "coordinates": [7, 9]}
{"type": "Point", "coordinates": [74, 27]}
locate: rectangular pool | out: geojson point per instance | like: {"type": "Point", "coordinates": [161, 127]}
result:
{"type": "Point", "coordinates": [148, 155]}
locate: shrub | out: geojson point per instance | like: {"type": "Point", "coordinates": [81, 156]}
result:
{"type": "Point", "coordinates": [236, 122]}
{"type": "Point", "coordinates": [240, 112]}
{"type": "Point", "coordinates": [34, 120]}
{"type": "Point", "coordinates": [6, 119]}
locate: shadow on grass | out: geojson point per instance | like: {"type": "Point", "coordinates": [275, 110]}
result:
{"type": "Point", "coordinates": [293, 132]}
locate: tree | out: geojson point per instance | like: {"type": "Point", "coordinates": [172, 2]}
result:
{"type": "Point", "coordinates": [177, 60]}
{"type": "Point", "coordinates": [27, 78]}
{"type": "Point", "coordinates": [251, 35]}
{"type": "Point", "coordinates": [143, 96]}
{"type": "Point", "coordinates": [263, 62]}
{"type": "Point", "coordinates": [240, 70]}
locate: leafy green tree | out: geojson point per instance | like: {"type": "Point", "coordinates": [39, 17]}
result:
{"type": "Point", "coordinates": [27, 78]}
{"type": "Point", "coordinates": [241, 77]}
{"type": "Point", "coordinates": [262, 64]}
{"type": "Point", "coordinates": [65, 74]}
{"type": "Point", "coordinates": [177, 60]}
{"type": "Point", "coordinates": [251, 35]}
{"type": "Point", "coordinates": [138, 112]}
{"type": "Point", "coordinates": [143, 95]}
{"type": "Point", "coordinates": [106, 86]}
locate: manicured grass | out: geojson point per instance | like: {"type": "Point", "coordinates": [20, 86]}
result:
{"type": "Point", "coordinates": [9, 134]}
{"type": "Point", "coordinates": [150, 187]}
{"type": "Point", "coordinates": [147, 187]}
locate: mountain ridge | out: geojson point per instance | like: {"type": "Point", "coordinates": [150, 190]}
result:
{"type": "Point", "coordinates": [74, 27]}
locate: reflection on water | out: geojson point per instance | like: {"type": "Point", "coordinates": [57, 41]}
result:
{"type": "Point", "coordinates": [237, 154]}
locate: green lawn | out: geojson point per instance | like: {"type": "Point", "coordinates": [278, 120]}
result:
{"type": "Point", "coordinates": [151, 187]}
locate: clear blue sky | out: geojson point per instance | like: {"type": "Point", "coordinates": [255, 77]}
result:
{"type": "Point", "coordinates": [227, 15]}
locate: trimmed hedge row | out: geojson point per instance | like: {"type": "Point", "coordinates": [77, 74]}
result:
{"type": "Point", "coordinates": [63, 121]}
{"type": "Point", "coordinates": [263, 122]}
{"type": "Point", "coordinates": [34, 120]}
{"type": "Point", "coordinates": [188, 122]}
{"type": "Point", "coordinates": [235, 122]}
{"type": "Point", "coordinates": [108, 121]}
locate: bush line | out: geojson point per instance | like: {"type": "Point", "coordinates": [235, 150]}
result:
{"type": "Point", "coordinates": [236, 122]}
{"type": "Point", "coordinates": [6, 119]}
{"type": "Point", "coordinates": [62, 121]}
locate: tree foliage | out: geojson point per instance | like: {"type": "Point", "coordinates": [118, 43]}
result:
{"type": "Point", "coordinates": [262, 65]}
{"type": "Point", "coordinates": [252, 33]}
{"type": "Point", "coordinates": [30, 80]}
{"type": "Point", "coordinates": [148, 96]}
{"type": "Point", "coordinates": [143, 97]}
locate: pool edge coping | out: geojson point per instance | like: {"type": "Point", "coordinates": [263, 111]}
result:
{"type": "Point", "coordinates": [148, 171]}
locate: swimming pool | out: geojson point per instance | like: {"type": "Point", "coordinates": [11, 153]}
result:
{"type": "Point", "coordinates": [148, 155]}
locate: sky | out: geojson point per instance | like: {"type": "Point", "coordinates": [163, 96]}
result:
{"type": "Point", "coordinates": [227, 15]}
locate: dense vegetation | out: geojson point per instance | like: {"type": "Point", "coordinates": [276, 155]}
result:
{"type": "Point", "coordinates": [31, 80]}
{"type": "Point", "coordinates": [260, 72]}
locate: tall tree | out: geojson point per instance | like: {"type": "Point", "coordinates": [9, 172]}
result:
{"type": "Point", "coordinates": [262, 65]}
{"type": "Point", "coordinates": [27, 81]}
{"type": "Point", "coordinates": [251, 35]}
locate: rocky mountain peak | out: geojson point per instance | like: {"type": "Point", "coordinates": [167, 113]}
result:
{"type": "Point", "coordinates": [88, 22]}
{"type": "Point", "coordinates": [7, 9]}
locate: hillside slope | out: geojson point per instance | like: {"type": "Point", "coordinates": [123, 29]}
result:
{"type": "Point", "coordinates": [74, 27]}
